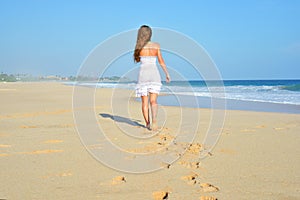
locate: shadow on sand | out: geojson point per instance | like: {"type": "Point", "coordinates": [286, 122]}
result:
{"type": "Point", "coordinates": [120, 119]}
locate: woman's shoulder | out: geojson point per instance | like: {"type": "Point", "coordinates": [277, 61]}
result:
{"type": "Point", "coordinates": [153, 44]}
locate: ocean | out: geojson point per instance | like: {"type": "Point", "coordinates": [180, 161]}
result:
{"type": "Point", "coordinates": [257, 95]}
{"type": "Point", "coordinates": [271, 91]}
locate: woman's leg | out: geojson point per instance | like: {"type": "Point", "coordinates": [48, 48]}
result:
{"type": "Point", "coordinates": [154, 107]}
{"type": "Point", "coordinates": [145, 110]}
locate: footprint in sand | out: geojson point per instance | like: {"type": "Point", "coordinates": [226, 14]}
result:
{"type": "Point", "coordinates": [206, 187]}
{"type": "Point", "coordinates": [166, 137]}
{"type": "Point", "coordinates": [194, 148]}
{"type": "Point", "coordinates": [118, 180]}
{"type": "Point", "coordinates": [166, 165]}
{"type": "Point", "coordinates": [160, 195]}
{"type": "Point", "coordinates": [190, 165]}
{"type": "Point", "coordinates": [115, 181]}
{"type": "Point", "coordinates": [193, 179]}
{"type": "Point", "coordinates": [190, 179]}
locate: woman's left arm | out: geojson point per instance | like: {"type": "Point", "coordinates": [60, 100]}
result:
{"type": "Point", "coordinates": [162, 64]}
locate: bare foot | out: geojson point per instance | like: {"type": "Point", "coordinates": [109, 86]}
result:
{"type": "Point", "coordinates": [148, 126]}
{"type": "Point", "coordinates": [154, 126]}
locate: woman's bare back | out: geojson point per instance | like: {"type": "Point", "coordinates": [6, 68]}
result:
{"type": "Point", "coordinates": [150, 49]}
{"type": "Point", "coordinates": [153, 49]}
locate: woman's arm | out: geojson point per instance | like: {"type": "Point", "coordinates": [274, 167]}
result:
{"type": "Point", "coordinates": [162, 64]}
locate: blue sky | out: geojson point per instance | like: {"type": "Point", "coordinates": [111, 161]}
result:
{"type": "Point", "coordinates": [257, 39]}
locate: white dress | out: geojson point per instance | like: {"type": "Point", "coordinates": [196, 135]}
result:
{"type": "Point", "coordinates": [149, 78]}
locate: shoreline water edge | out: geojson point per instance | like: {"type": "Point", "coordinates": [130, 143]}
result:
{"type": "Point", "coordinates": [282, 96]}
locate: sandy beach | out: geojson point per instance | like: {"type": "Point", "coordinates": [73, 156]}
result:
{"type": "Point", "coordinates": [42, 156]}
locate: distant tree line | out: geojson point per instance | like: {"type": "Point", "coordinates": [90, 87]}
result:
{"type": "Point", "coordinates": [7, 78]}
{"type": "Point", "coordinates": [27, 77]}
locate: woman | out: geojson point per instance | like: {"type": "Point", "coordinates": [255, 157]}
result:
{"type": "Point", "coordinates": [149, 82]}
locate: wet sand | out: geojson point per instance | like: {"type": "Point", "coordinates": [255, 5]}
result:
{"type": "Point", "coordinates": [229, 104]}
{"type": "Point", "coordinates": [42, 156]}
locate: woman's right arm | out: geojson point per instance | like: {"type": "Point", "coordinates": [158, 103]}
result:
{"type": "Point", "coordinates": [162, 64]}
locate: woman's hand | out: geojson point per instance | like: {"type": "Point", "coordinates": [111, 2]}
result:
{"type": "Point", "coordinates": [168, 78]}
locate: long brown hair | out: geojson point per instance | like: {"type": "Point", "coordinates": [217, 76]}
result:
{"type": "Point", "coordinates": [144, 36]}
